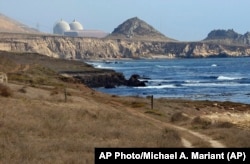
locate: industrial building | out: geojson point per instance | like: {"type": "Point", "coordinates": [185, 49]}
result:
{"type": "Point", "coordinates": [75, 29]}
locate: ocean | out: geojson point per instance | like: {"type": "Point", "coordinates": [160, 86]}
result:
{"type": "Point", "coordinates": [216, 79]}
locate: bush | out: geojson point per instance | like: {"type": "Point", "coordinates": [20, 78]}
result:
{"type": "Point", "coordinates": [223, 125]}
{"type": "Point", "coordinates": [178, 117]}
{"type": "Point", "coordinates": [198, 122]}
{"type": "Point", "coordinates": [5, 91]}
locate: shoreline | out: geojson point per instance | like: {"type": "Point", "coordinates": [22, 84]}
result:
{"type": "Point", "coordinates": [221, 98]}
{"type": "Point", "coordinates": [78, 66]}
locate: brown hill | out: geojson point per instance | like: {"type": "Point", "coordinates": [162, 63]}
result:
{"type": "Point", "coordinates": [138, 29]}
{"type": "Point", "coordinates": [10, 25]}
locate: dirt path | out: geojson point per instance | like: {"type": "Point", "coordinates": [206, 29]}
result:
{"type": "Point", "coordinates": [186, 143]}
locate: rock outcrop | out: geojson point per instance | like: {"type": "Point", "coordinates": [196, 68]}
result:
{"type": "Point", "coordinates": [107, 79]}
{"type": "Point", "coordinates": [134, 81]}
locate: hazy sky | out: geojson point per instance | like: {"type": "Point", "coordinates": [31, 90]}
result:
{"type": "Point", "coordinates": [184, 20]}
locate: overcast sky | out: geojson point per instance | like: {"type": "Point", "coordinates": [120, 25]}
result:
{"type": "Point", "coordinates": [184, 20]}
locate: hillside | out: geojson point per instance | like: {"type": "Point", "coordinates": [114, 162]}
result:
{"type": "Point", "coordinates": [137, 29]}
{"type": "Point", "coordinates": [49, 119]}
{"type": "Point", "coordinates": [82, 72]}
{"type": "Point", "coordinates": [10, 25]}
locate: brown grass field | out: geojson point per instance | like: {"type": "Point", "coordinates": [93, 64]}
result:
{"type": "Point", "coordinates": [41, 123]}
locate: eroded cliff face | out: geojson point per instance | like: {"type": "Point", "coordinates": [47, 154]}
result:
{"type": "Point", "coordinates": [90, 48]}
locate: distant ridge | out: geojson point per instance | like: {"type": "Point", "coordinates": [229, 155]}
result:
{"type": "Point", "coordinates": [137, 29]}
{"type": "Point", "coordinates": [228, 37]}
{"type": "Point", "coordinates": [12, 26]}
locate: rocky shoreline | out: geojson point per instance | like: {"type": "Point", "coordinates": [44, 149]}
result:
{"type": "Point", "coordinates": [106, 79]}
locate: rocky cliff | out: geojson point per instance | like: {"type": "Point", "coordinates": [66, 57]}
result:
{"type": "Point", "coordinates": [90, 48]}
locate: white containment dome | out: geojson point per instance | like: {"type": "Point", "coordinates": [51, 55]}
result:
{"type": "Point", "coordinates": [60, 27]}
{"type": "Point", "coordinates": [75, 26]}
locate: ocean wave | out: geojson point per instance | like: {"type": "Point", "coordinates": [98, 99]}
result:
{"type": "Point", "coordinates": [221, 77]}
{"type": "Point", "coordinates": [162, 66]}
{"type": "Point", "coordinates": [228, 78]}
{"type": "Point", "coordinates": [192, 81]}
{"type": "Point", "coordinates": [214, 84]}
{"type": "Point", "coordinates": [102, 67]}
{"type": "Point", "coordinates": [105, 66]}
{"type": "Point", "coordinates": [165, 66]}
{"type": "Point", "coordinates": [158, 80]}
{"type": "Point", "coordinates": [158, 86]}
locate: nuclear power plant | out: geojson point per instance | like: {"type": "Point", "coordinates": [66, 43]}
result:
{"type": "Point", "coordinates": [75, 29]}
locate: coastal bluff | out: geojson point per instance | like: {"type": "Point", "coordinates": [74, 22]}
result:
{"type": "Point", "coordinates": [134, 38]}
{"type": "Point", "coordinates": [107, 48]}
{"type": "Point", "coordinates": [33, 67]}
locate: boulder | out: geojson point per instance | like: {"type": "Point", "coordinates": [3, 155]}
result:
{"type": "Point", "coordinates": [134, 81]}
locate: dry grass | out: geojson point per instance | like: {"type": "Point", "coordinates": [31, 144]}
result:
{"type": "Point", "coordinates": [232, 136]}
{"type": "Point", "coordinates": [135, 104]}
{"type": "Point", "coordinates": [153, 112]}
{"type": "Point", "coordinates": [37, 75]}
{"type": "Point", "coordinates": [42, 131]}
{"type": "Point", "coordinates": [38, 126]}
{"type": "Point", "coordinates": [224, 130]}
{"type": "Point", "coordinates": [47, 131]}
{"type": "Point", "coordinates": [224, 121]}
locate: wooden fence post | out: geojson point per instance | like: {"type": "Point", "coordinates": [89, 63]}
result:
{"type": "Point", "coordinates": [65, 95]}
{"type": "Point", "coordinates": [152, 102]}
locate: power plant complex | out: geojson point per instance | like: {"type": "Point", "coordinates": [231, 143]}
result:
{"type": "Point", "coordinates": [75, 29]}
